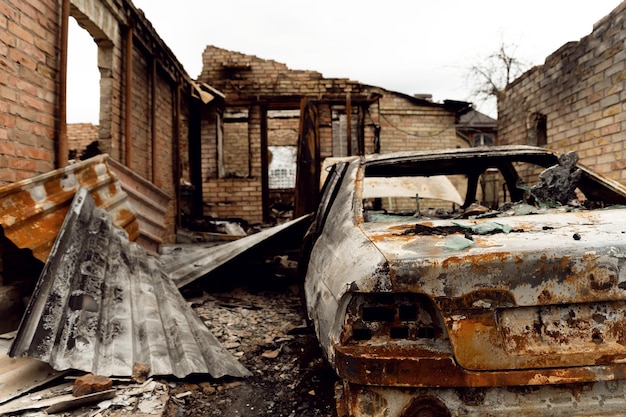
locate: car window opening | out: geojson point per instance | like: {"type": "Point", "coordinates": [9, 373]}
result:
{"type": "Point", "coordinates": [503, 189]}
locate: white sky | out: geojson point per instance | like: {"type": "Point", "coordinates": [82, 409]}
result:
{"type": "Point", "coordinates": [409, 46]}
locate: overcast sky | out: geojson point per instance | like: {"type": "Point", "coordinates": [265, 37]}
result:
{"type": "Point", "coordinates": [408, 46]}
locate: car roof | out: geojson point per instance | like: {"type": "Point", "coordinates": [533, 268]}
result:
{"type": "Point", "coordinates": [488, 151]}
{"type": "Point", "coordinates": [453, 160]}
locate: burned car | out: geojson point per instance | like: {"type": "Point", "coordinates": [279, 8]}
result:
{"type": "Point", "coordinates": [481, 281]}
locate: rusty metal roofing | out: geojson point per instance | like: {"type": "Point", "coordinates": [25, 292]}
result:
{"type": "Point", "coordinates": [102, 305]}
{"type": "Point", "coordinates": [149, 203]}
{"type": "Point", "coordinates": [32, 210]}
{"type": "Point", "coordinates": [188, 263]}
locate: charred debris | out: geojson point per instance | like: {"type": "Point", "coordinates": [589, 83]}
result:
{"type": "Point", "coordinates": [105, 306]}
{"type": "Point", "coordinates": [102, 304]}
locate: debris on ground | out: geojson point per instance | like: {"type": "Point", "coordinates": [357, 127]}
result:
{"type": "Point", "coordinates": [187, 263]}
{"type": "Point", "coordinates": [249, 320]}
{"type": "Point", "coordinates": [90, 383]}
{"type": "Point", "coordinates": [261, 328]}
{"type": "Point", "coordinates": [265, 328]}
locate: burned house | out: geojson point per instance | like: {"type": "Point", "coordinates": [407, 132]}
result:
{"type": "Point", "coordinates": [248, 147]}
{"type": "Point", "coordinates": [145, 97]}
{"type": "Point", "coordinates": [242, 143]}
{"type": "Point", "coordinates": [574, 101]}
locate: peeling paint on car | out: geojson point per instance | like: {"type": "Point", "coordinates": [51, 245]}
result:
{"type": "Point", "coordinates": [536, 300]}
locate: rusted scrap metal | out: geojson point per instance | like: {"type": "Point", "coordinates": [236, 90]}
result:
{"type": "Point", "coordinates": [102, 305]}
{"type": "Point", "coordinates": [32, 210]}
{"type": "Point", "coordinates": [149, 203]}
{"type": "Point", "coordinates": [187, 264]}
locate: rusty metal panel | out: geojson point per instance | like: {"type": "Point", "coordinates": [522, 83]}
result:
{"type": "Point", "coordinates": [149, 202]}
{"type": "Point", "coordinates": [32, 210]}
{"type": "Point", "coordinates": [531, 298]}
{"type": "Point", "coordinates": [189, 263]}
{"type": "Point", "coordinates": [102, 305]}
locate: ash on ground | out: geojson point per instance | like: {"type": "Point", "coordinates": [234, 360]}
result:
{"type": "Point", "coordinates": [261, 320]}
{"type": "Point", "coordinates": [255, 309]}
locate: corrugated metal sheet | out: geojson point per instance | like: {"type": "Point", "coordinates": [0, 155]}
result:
{"type": "Point", "coordinates": [149, 202]}
{"type": "Point", "coordinates": [185, 264]}
{"type": "Point", "coordinates": [102, 304]}
{"type": "Point", "coordinates": [32, 210]}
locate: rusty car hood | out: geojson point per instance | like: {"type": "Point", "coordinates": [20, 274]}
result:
{"type": "Point", "coordinates": [541, 259]}
{"type": "Point", "coordinates": [544, 290]}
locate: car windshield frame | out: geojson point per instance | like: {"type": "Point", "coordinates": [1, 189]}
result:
{"type": "Point", "coordinates": [473, 162]}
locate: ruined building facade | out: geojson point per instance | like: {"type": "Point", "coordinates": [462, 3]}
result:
{"type": "Point", "coordinates": [249, 141]}
{"type": "Point", "coordinates": [145, 94]}
{"type": "Point", "coordinates": [223, 145]}
{"type": "Point", "coordinates": [575, 100]}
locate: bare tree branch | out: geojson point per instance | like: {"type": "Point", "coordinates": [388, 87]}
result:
{"type": "Point", "coordinates": [491, 75]}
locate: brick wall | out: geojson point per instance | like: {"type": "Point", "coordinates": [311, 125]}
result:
{"type": "Point", "coordinates": [578, 93]}
{"type": "Point", "coordinates": [236, 149]}
{"type": "Point", "coordinates": [406, 126]}
{"type": "Point", "coordinates": [80, 136]}
{"type": "Point", "coordinates": [251, 84]}
{"type": "Point", "coordinates": [29, 92]}
{"type": "Point", "coordinates": [28, 78]}
{"type": "Point", "coordinates": [156, 75]}
{"type": "Point", "coordinates": [234, 198]}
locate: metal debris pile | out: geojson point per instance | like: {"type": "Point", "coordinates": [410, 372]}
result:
{"type": "Point", "coordinates": [103, 305]}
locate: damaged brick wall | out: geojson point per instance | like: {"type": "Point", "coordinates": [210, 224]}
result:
{"type": "Point", "coordinates": [30, 96]}
{"type": "Point", "coordinates": [574, 101]}
{"type": "Point", "coordinates": [406, 126]}
{"type": "Point", "coordinates": [156, 76]}
{"type": "Point", "coordinates": [256, 86]}
{"type": "Point", "coordinates": [29, 62]}
{"type": "Point", "coordinates": [81, 136]}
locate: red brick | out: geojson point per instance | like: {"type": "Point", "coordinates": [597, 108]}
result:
{"type": "Point", "coordinates": [90, 383]}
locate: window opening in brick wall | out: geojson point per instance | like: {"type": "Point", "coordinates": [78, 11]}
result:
{"type": "Point", "coordinates": [483, 139]}
{"type": "Point", "coordinates": [83, 76]}
{"type": "Point", "coordinates": [340, 134]}
{"type": "Point", "coordinates": [282, 167]}
{"type": "Point", "coordinates": [538, 131]}
{"type": "Point", "coordinates": [282, 139]}
{"type": "Point", "coordinates": [235, 145]}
